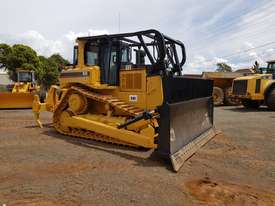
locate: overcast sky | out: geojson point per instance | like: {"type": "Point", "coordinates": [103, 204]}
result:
{"type": "Point", "coordinates": [213, 31]}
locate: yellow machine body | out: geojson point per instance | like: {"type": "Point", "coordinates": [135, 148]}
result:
{"type": "Point", "coordinates": [257, 89]}
{"type": "Point", "coordinates": [22, 94]}
{"type": "Point", "coordinates": [135, 89]}
{"type": "Point", "coordinates": [125, 107]}
{"type": "Point", "coordinates": [251, 81]}
{"type": "Point", "coordinates": [135, 86]}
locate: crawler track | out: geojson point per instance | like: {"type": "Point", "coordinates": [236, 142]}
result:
{"type": "Point", "coordinates": [115, 103]}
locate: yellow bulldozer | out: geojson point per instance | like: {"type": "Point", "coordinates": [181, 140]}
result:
{"type": "Point", "coordinates": [257, 89]}
{"type": "Point", "coordinates": [139, 100]}
{"type": "Point", "coordinates": [22, 93]}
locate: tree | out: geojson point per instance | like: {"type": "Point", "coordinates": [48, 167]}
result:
{"type": "Point", "coordinates": [60, 61]}
{"type": "Point", "coordinates": [50, 69]}
{"type": "Point", "coordinates": [18, 56]}
{"type": "Point", "coordinates": [5, 50]}
{"type": "Point", "coordinates": [223, 67]}
{"type": "Point", "coordinates": [48, 73]}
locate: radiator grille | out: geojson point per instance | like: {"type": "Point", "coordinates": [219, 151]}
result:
{"type": "Point", "coordinates": [131, 81]}
{"type": "Point", "coordinates": [240, 87]}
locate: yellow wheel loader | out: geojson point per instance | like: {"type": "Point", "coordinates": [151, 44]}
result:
{"type": "Point", "coordinates": [22, 94]}
{"type": "Point", "coordinates": [257, 89]}
{"type": "Point", "coordinates": [128, 89]}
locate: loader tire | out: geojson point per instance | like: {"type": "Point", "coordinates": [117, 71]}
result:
{"type": "Point", "coordinates": [218, 96]}
{"type": "Point", "coordinates": [271, 100]}
{"type": "Point", "coordinates": [228, 100]}
{"type": "Point", "coordinates": [251, 104]}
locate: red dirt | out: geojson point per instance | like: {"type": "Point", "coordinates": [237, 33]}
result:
{"type": "Point", "coordinates": [209, 192]}
{"type": "Point", "coordinates": [42, 167]}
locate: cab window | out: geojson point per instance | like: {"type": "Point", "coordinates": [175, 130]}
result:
{"type": "Point", "coordinates": [125, 55]}
{"type": "Point", "coordinates": [272, 66]}
{"type": "Point", "coordinates": [113, 69]}
{"type": "Point", "coordinates": [75, 57]}
{"type": "Point", "coordinates": [91, 55]}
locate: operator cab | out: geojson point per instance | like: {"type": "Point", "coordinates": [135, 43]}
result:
{"type": "Point", "coordinates": [153, 51]}
{"type": "Point", "coordinates": [110, 57]}
{"type": "Point", "coordinates": [270, 69]}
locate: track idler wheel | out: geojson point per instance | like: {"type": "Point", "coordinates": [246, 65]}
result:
{"type": "Point", "coordinates": [77, 103]}
{"type": "Point", "coordinates": [63, 120]}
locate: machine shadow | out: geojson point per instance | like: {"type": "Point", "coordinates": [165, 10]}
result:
{"type": "Point", "coordinates": [245, 110]}
{"type": "Point", "coordinates": [151, 159]}
{"type": "Point", "coordinates": [45, 125]}
{"type": "Point", "coordinates": [13, 110]}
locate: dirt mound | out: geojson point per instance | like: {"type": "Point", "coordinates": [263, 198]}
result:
{"type": "Point", "coordinates": [208, 192]}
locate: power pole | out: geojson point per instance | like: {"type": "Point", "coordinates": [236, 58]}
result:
{"type": "Point", "coordinates": [118, 22]}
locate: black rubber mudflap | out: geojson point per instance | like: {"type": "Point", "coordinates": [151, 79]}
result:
{"type": "Point", "coordinates": [186, 121]}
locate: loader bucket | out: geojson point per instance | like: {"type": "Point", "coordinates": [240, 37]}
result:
{"type": "Point", "coordinates": [9, 100]}
{"type": "Point", "coordinates": [186, 118]}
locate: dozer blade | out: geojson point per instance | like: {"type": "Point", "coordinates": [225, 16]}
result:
{"type": "Point", "coordinates": [10, 100]}
{"type": "Point", "coordinates": [186, 122]}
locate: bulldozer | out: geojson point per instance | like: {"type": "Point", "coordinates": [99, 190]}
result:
{"type": "Point", "coordinates": [128, 89]}
{"type": "Point", "coordinates": [22, 93]}
{"type": "Point", "coordinates": [257, 89]}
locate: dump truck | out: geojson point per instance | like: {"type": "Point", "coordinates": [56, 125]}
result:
{"type": "Point", "coordinates": [22, 92]}
{"type": "Point", "coordinates": [139, 100]}
{"type": "Point", "coordinates": [223, 87]}
{"type": "Point", "coordinates": [257, 89]}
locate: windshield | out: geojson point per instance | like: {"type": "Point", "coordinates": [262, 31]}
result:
{"type": "Point", "coordinates": [24, 77]}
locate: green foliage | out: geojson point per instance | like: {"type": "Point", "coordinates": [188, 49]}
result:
{"type": "Point", "coordinates": [20, 56]}
{"type": "Point", "coordinates": [223, 67]}
{"type": "Point", "coordinates": [5, 50]}
{"type": "Point", "coordinates": [48, 73]}
{"type": "Point", "coordinates": [59, 60]}
{"type": "Point", "coordinates": [27, 66]}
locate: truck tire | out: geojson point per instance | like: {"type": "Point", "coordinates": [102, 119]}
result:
{"type": "Point", "coordinates": [271, 100]}
{"type": "Point", "coordinates": [218, 96]}
{"type": "Point", "coordinates": [251, 104]}
{"type": "Point", "coordinates": [228, 100]}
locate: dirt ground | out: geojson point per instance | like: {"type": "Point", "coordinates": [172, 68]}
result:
{"type": "Point", "coordinates": [41, 167]}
